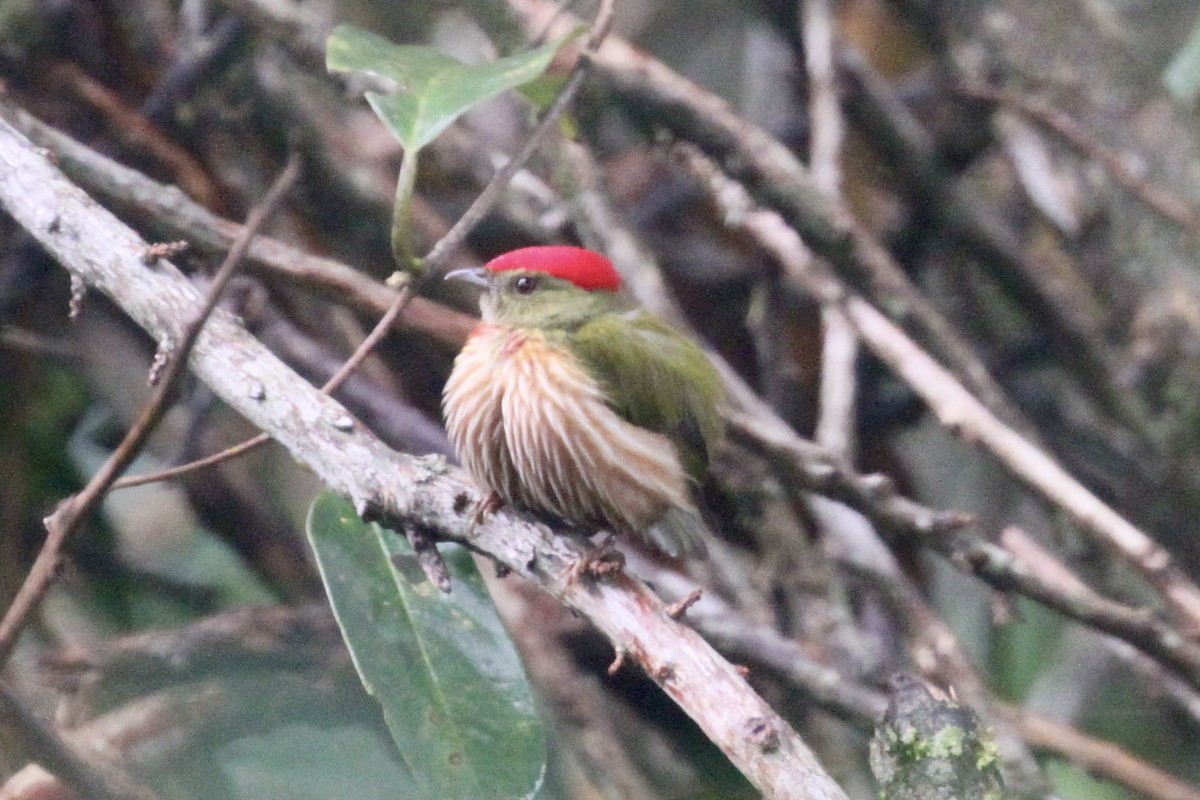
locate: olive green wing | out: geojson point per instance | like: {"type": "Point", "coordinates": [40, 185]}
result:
{"type": "Point", "coordinates": [656, 378]}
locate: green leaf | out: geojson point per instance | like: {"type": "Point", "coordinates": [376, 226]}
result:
{"type": "Point", "coordinates": [433, 88]}
{"type": "Point", "coordinates": [453, 691]}
{"type": "Point", "coordinates": [303, 761]}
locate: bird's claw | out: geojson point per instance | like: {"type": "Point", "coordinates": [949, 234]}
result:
{"type": "Point", "coordinates": [605, 559]}
{"type": "Point", "coordinates": [487, 505]}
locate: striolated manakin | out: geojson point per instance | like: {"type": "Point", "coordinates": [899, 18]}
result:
{"type": "Point", "coordinates": [569, 400]}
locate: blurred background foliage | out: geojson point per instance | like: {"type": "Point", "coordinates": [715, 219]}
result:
{"type": "Point", "coordinates": [187, 639]}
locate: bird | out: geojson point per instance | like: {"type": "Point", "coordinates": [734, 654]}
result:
{"type": "Point", "coordinates": [572, 402]}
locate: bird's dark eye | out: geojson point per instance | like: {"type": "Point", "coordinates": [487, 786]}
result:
{"type": "Point", "coordinates": [525, 284]}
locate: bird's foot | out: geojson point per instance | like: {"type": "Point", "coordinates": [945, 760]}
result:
{"type": "Point", "coordinates": [488, 505]}
{"type": "Point", "coordinates": [604, 559]}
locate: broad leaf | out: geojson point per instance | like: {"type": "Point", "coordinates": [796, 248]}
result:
{"type": "Point", "coordinates": [304, 761]}
{"type": "Point", "coordinates": [453, 691]}
{"type": "Point", "coordinates": [433, 89]}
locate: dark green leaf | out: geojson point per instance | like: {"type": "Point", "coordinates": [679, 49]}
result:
{"type": "Point", "coordinates": [433, 89]}
{"type": "Point", "coordinates": [453, 691]}
{"type": "Point", "coordinates": [306, 762]}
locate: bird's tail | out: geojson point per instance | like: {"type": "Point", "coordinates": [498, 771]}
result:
{"type": "Point", "coordinates": [679, 533]}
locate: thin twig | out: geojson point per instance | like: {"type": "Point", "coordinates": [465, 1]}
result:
{"type": "Point", "coordinates": [1072, 326]}
{"type": "Point", "coordinates": [1159, 679]}
{"type": "Point", "coordinates": [138, 133]}
{"type": "Point", "coordinates": [241, 448]}
{"type": "Point", "coordinates": [820, 470]}
{"type": "Point", "coordinates": [836, 418]}
{"type": "Point", "coordinates": [1142, 628]}
{"type": "Point", "coordinates": [256, 219]}
{"type": "Point", "coordinates": [130, 190]}
{"type": "Point", "coordinates": [74, 510]}
{"type": "Point", "coordinates": [1098, 757]}
{"type": "Point", "coordinates": [88, 776]}
{"type": "Point", "coordinates": [178, 471]}
{"type": "Point", "coordinates": [382, 327]}
{"type": "Point", "coordinates": [839, 348]}
{"type": "Point", "coordinates": [1156, 197]}
{"type": "Point", "coordinates": [817, 26]}
{"type": "Point", "coordinates": [962, 413]}
{"type": "Point", "coordinates": [482, 204]}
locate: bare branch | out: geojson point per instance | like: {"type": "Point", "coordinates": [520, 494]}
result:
{"type": "Point", "coordinates": [1162, 200]}
{"type": "Point", "coordinates": [1075, 331]}
{"type": "Point", "coordinates": [138, 133]}
{"type": "Point", "coordinates": [1141, 627]}
{"type": "Point", "coordinates": [88, 775]}
{"type": "Point", "coordinates": [839, 349]}
{"type": "Point", "coordinates": [127, 189]}
{"type": "Point", "coordinates": [1100, 758]}
{"type": "Point", "coordinates": [968, 418]}
{"type": "Point", "coordinates": [72, 512]}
